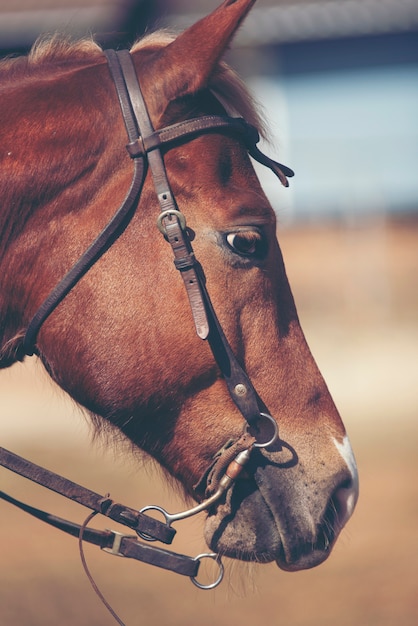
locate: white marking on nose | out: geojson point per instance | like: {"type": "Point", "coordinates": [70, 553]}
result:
{"type": "Point", "coordinates": [347, 497]}
{"type": "Point", "coordinates": [346, 451]}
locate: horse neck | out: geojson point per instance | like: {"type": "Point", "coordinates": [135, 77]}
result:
{"type": "Point", "coordinates": [57, 153]}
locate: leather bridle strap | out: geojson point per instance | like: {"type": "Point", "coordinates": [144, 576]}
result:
{"type": "Point", "coordinates": [127, 516]}
{"type": "Point", "coordinates": [118, 544]}
{"type": "Point", "coordinates": [207, 325]}
{"type": "Point", "coordinates": [120, 63]}
{"type": "Point", "coordinates": [143, 148]}
{"type": "Point", "coordinates": [105, 239]}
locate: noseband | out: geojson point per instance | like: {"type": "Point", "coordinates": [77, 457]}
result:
{"type": "Point", "coordinates": [144, 147]}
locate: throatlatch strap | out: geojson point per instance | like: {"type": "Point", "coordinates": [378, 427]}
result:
{"type": "Point", "coordinates": [99, 246]}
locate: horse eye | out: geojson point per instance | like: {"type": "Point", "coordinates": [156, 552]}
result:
{"type": "Point", "coordinates": [246, 243]}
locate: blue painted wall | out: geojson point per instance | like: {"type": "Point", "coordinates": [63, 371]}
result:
{"type": "Point", "coordinates": [348, 124]}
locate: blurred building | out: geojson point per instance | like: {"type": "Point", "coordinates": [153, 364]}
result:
{"type": "Point", "coordinates": [338, 79]}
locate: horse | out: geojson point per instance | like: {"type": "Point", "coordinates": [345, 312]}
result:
{"type": "Point", "coordinates": [181, 378]}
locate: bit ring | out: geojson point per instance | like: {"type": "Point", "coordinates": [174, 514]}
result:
{"type": "Point", "coordinates": [273, 438]}
{"type": "Point", "coordinates": [214, 557]}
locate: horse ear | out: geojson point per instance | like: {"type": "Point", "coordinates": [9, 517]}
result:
{"type": "Point", "coordinates": [188, 62]}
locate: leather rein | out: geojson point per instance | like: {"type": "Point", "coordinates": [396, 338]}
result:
{"type": "Point", "coordinates": [144, 148]}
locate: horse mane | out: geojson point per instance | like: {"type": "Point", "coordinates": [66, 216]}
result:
{"type": "Point", "coordinates": [51, 49]}
{"type": "Point", "coordinates": [62, 51]}
{"type": "Point", "coordinates": [57, 49]}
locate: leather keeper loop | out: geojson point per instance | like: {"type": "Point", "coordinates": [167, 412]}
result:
{"type": "Point", "coordinates": [136, 148]}
{"type": "Point", "coordinates": [185, 263]}
{"type": "Point", "coordinates": [143, 145]}
{"type": "Point", "coordinates": [152, 142]}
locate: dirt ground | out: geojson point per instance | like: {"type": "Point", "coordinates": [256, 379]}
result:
{"type": "Point", "coordinates": [357, 293]}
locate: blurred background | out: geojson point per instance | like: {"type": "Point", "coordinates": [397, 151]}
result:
{"type": "Point", "coordinates": [338, 83]}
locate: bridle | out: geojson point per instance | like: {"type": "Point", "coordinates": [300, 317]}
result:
{"type": "Point", "coordinates": [144, 147]}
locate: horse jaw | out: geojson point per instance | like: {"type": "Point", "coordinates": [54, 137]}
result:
{"type": "Point", "coordinates": [255, 523]}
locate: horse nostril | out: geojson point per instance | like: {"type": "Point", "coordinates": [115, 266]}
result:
{"type": "Point", "coordinates": [344, 501]}
{"type": "Point", "coordinates": [339, 510]}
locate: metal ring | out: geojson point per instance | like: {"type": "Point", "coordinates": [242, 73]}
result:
{"type": "Point", "coordinates": [214, 557]}
{"type": "Point", "coordinates": [167, 213]}
{"type": "Point", "coordinates": [153, 507]}
{"type": "Point", "coordinates": [268, 443]}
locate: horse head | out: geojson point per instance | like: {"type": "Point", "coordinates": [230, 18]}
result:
{"type": "Point", "coordinates": [122, 342]}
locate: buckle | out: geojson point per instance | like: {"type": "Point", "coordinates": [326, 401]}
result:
{"type": "Point", "coordinates": [117, 540]}
{"type": "Point", "coordinates": [170, 213]}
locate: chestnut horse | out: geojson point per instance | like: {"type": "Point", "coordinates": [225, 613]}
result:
{"type": "Point", "coordinates": [122, 342]}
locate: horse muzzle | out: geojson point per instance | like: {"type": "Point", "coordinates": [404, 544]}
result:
{"type": "Point", "coordinates": [279, 513]}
